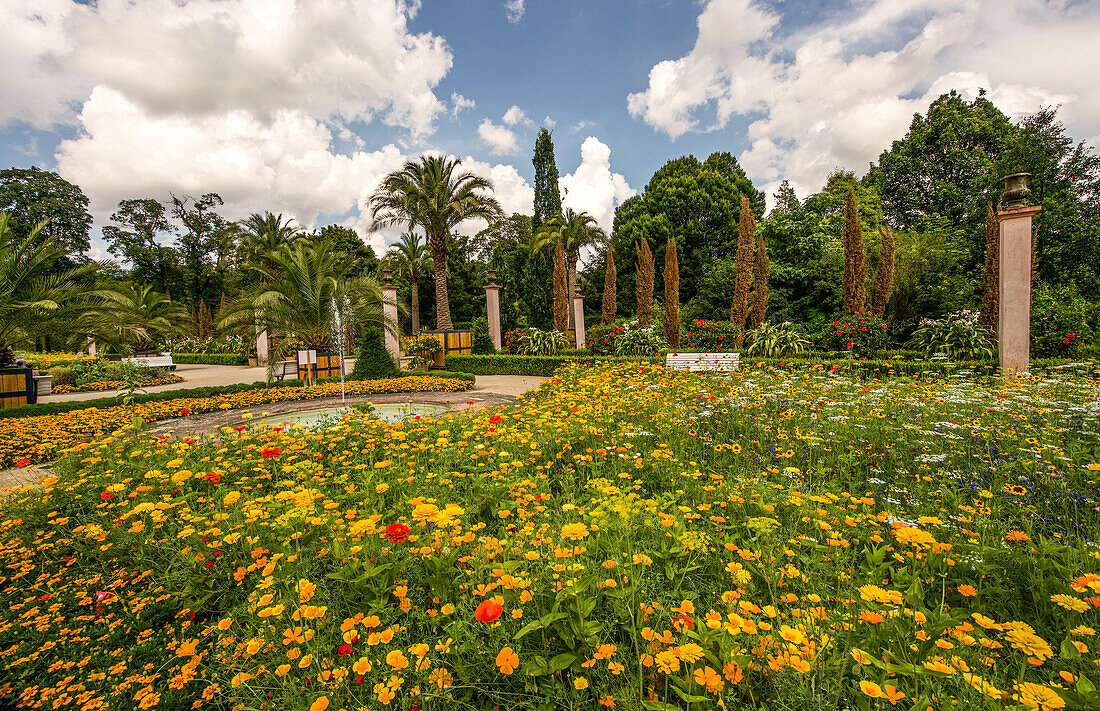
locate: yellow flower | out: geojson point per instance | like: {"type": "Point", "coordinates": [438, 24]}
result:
{"type": "Point", "coordinates": [397, 660]}
{"type": "Point", "coordinates": [575, 531]}
{"type": "Point", "coordinates": [580, 683]}
{"type": "Point", "coordinates": [231, 498]}
{"type": "Point", "coordinates": [1038, 697]}
{"type": "Point", "coordinates": [1030, 644]}
{"type": "Point", "coordinates": [1070, 603]}
{"type": "Point", "coordinates": [305, 590]}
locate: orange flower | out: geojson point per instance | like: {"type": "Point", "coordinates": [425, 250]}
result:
{"type": "Point", "coordinates": [507, 660]}
{"type": "Point", "coordinates": [608, 701]}
{"type": "Point", "coordinates": [892, 694]}
{"type": "Point", "coordinates": [871, 689]}
{"type": "Point", "coordinates": [967, 590]}
{"type": "Point", "coordinates": [873, 617]}
{"type": "Point", "coordinates": [488, 611]}
{"type": "Point", "coordinates": [320, 704]}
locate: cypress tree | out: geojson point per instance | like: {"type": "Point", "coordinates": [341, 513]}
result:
{"type": "Point", "coordinates": [743, 275]}
{"type": "Point", "coordinates": [610, 307]}
{"type": "Point", "coordinates": [643, 280]}
{"type": "Point", "coordinates": [855, 274]}
{"type": "Point", "coordinates": [561, 299]}
{"type": "Point", "coordinates": [883, 285]}
{"type": "Point", "coordinates": [987, 316]}
{"type": "Point", "coordinates": [547, 195]}
{"type": "Point", "coordinates": [672, 295]}
{"type": "Point", "coordinates": [760, 283]}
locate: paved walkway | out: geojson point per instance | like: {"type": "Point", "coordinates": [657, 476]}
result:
{"type": "Point", "coordinates": [505, 386]}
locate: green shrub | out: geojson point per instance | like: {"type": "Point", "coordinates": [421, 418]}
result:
{"type": "Point", "coordinates": [543, 343]}
{"type": "Point", "coordinates": [957, 336]}
{"type": "Point", "coordinates": [776, 340]}
{"type": "Point", "coordinates": [62, 376]}
{"type": "Point", "coordinates": [863, 336]}
{"type": "Point", "coordinates": [1061, 322]}
{"type": "Point", "coordinates": [639, 342]}
{"type": "Point", "coordinates": [423, 348]}
{"type": "Point", "coordinates": [600, 339]}
{"type": "Point", "coordinates": [483, 342]}
{"type": "Point", "coordinates": [210, 358]}
{"type": "Point", "coordinates": [372, 359]}
{"type": "Point", "coordinates": [708, 337]}
{"type": "Point", "coordinates": [467, 377]}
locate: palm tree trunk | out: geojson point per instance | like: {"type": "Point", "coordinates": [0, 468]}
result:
{"type": "Point", "coordinates": [442, 305]}
{"type": "Point", "coordinates": [415, 305]}
{"type": "Point", "coordinates": [571, 281]}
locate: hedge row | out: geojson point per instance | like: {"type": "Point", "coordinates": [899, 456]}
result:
{"type": "Point", "coordinates": [53, 408]}
{"type": "Point", "coordinates": [525, 365]}
{"type": "Point", "coordinates": [210, 358]}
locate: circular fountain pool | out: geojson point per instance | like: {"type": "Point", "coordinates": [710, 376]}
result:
{"type": "Point", "coordinates": [390, 412]}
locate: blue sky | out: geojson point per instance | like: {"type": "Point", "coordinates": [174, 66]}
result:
{"type": "Point", "coordinates": [301, 107]}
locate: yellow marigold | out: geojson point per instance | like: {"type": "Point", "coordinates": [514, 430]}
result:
{"type": "Point", "coordinates": [1039, 697]}
{"type": "Point", "coordinates": [575, 531]}
{"type": "Point", "coordinates": [1070, 603]}
{"type": "Point", "coordinates": [667, 662]}
{"type": "Point", "coordinates": [1030, 644]}
{"type": "Point", "coordinates": [690, 653]}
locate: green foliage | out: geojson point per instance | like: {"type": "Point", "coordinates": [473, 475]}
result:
{"type": "Point", "coordinates": [483, 341]}
{"type": "Point", "coordinates": [639, 342]}
{"type": "Point", "coordinates": [957, 336]}
{"type": "Point", "coordinates": [702, 336]}
{"type": "Point", "coordinates": [373, 360]}
{"type": "Point", "coordinates": [210, 358]}
{"type": "Point", "coordinates": [543, 343]}
{"type": "Point", "coordinates": [1062, 322]}
{"type": "Point", "coordinates": [861, 336]}
{"type": "Point", "coordinates": [600, 339]}
{"type": "Point", "coordinates": [542, 366]}
{"type": "Point", "coordinates": [525, 278]}
{"type": "Point", "coordinates": [547, 194]}
{"type": "Point", "coordinates": [32, 196]}
{"type": "Point", "coordinates": [776, 340]}
{"type": "Point", "coordinates": [697, 204]}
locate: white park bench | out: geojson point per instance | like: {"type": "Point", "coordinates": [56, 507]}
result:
{"type": "Point", "coordinates": [284, 368]}
{"type": "Point", "coordinates": [164, 360]}
{"type": "Point", "coordinates": [703, 361]}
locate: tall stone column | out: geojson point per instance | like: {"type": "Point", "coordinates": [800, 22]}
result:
{"type": "Point", "coordinates": [1014, 287]}
{"type": "Point", "coordinates": [262, 348]}
{"type": "Point", "coordinates": [91, 348]}
{"type": "Point", "coordinates": [389, 312]}
{"type": "Point", "coordinates": [492, 308]}
{"type": "Point", "coordinates": [578, 317]}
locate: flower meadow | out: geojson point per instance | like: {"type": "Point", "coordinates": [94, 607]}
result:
{"type": "Point", "coordinates": [626, 536]}
{"type": "Point", "coordinates": [26, 440]}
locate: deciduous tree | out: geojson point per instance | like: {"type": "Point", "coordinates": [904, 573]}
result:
{"type": "Point", "coordinates": [746, 244]}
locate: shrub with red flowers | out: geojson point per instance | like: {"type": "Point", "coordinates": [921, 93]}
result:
{"type": "Point", "coordinates": [1060, 322]}
{"type": "Point", "coordinates": [709, 337]}
{"type": "Point", "coordinates": [512, 341]}
{"type": "Point", "coordinates": [600, 339]}
{"type": "Point", "coordinates": [863, 336]}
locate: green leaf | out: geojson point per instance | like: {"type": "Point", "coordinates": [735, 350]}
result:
{"type": "Point", "coordinates": [1069, 650]}
{"type": "Point", "coordinates": [1085, 687]}
{"type": "Point", "coordinates": [915, 594]}
{"type": "Point", "coordinates": [659, 706]}
{"type": "Point", "coordinates": [541, 623]}
{"type": "Point", "coordinates": [562, 661]}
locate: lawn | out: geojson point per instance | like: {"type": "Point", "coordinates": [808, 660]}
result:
{"type": "Point", "coordinates": [627, 536]}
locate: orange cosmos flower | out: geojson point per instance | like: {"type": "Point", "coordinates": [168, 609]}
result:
{"type": "Point", "coordinates": [507, 660]}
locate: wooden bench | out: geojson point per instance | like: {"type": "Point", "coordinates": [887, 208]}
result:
{"type": "Point", "coordinates": [164, 360]}
{"type": "Point", "coordinates": [283, 368]}
{"type": "Point", "coordinates": [703, 361]}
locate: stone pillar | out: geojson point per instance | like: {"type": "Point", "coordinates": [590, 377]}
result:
{"type": "Point", "coordinates": [492, 308]}
{"type": "Point", "coordinates": [578, 317]}
{"type": "Point", "coordinates": [1014, 288]}
{"type": "Point", "coordinates": [262, 348]}
{"type": "Point", "coordinates": [91, 348]}
{"type": "Point", "coordinates": [389, 313]}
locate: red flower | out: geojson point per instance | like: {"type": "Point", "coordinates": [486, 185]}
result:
{"type": "Point", "coordinates": [488, 611]}
{"type": "Point", "coordinates": [185, 411]}
{"type": "Point", "coordinates": [23, 462]}
{"type": "Point", "coordinates": [396, 533]}
{"type": "Point", "coordinates": [344, 650]}
{"type": "Point", "coordinates": [212, 477]}
{"type": "Point", "coordinates": [271, 452]}
{"type": "Point", "coordinates": [106, 496]}
{"type": "Point", "coordinates": [496, 419]}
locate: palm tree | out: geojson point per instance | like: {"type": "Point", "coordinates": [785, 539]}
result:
{"type": "Point", "coordinates": [132, 316]}
{"type": "Point", "coordinates": [299, 291]}
{"type": "Point", "coordinates": [34, 298]}
{"type": "Point", "coordinates": [576, 230]}
{"type": "Point", "coordinates": [264, 234]}
{"type": "Point", "coordinates": [431, 193]}
{"type": "Point", "coordinates": [410, 258]}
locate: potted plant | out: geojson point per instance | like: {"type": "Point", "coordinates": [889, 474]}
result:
{"type": "Point", "coordinates": [426, 349]}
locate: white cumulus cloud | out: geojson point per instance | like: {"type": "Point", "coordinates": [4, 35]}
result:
{"type": "Point", "coordinates": [515, 115]}
{"type": "Point", "coordinates": [500, 139]}
{"type": "Point", "coordinates": [514, 10]}
{"type": "Point", "coordinates": [460, 103]}
{"type": "Point", "coordinates": [592, 187]}
{"type": "Point", "coordinates": [837, 93]}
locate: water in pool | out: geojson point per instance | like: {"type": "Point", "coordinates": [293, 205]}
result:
{"type": "Point", "coordinates": [390, 412]}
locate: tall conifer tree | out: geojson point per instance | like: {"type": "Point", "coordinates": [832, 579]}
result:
{"type": "Point", "coordinates": [855, 274]}
{"type": "Point", "coordinates": [547, 195]}
{"type": "Point", "coordinates": [746, 247]}
{"type": "Point", "coordinates": [883, 285]}
{"type": "Point", "coordinates": [561, 299]}
{"type": "Point", "coordinates": [671, 321]}
{"type": "Point", "coordinates": [643, 284]}
{"type": "Point", "coordinates": [610, 294]}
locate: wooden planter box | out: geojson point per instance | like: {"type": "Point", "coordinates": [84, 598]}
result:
{"type": "Point", "coordinates": [17, 387]}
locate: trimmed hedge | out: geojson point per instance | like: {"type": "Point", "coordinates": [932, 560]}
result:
{"type": "Point", "coordinates": [467, 377]}
{"type": "Point", "coordinates": [210, 358]}
{"type": "Point", "coordinates": [525, 365]}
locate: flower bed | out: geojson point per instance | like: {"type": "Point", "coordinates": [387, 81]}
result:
{"type": "Point", "coordinates": [100, 385]}
{"type": "Point", "coordinates": [45, 437]}
{"type": "Point", "coordinates": [45, 361]}
{"type": "Point", "coordinates": [627, 536]}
